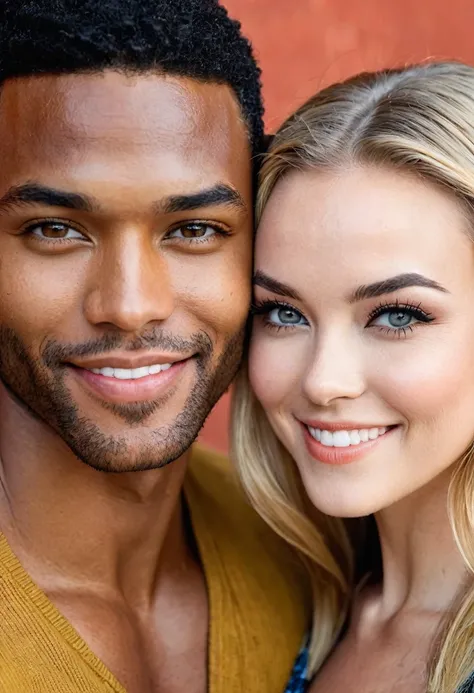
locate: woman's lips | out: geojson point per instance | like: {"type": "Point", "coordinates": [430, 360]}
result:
{"type": "Point", "coordinates": [126, 390]}
{"type": "Point", "coordinates": [348, 445]}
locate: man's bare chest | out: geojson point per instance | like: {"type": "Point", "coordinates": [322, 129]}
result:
{"type": "Point", "coordinates": [162, 651]}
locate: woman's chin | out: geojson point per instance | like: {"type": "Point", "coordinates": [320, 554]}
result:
{"type": "Point", "coordinates": [346, 498]}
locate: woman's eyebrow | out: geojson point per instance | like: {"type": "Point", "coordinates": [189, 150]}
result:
{"type": "Point", "coordinates": [388, 286]}
{"type": "Point", "coordinates": [273, 285]}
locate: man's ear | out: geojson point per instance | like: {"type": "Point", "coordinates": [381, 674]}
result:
{"type": "Point", "coordinates": [267, 140]}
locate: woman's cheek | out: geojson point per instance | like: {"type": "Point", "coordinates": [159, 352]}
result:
{"type": "Point", "coordinates": [422, 383]}
{"type": "Point", "coordinates": [276, 366]}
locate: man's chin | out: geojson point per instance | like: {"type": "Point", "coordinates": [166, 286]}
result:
{"type": "Point", "coordinates": [102, 424]}
{"type": "Point", "coordinates": [134, 415]}
{"type": "Point", "coordinates": [141, 451]}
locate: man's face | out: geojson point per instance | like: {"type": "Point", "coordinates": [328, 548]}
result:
{"type": "Point", "coordinates": [125, 257]}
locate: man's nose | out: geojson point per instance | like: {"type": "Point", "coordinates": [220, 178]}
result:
{"type": "Point", "coordinates": [336, 370]}
{"type": "Point", "coordinates": [131, 286]}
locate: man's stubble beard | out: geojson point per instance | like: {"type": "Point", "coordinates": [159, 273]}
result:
{"type": "Point", "coordinates": [39, 387]}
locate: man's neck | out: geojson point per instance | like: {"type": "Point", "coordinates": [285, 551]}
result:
{"type": "Point", "coordinates": [70, 524]}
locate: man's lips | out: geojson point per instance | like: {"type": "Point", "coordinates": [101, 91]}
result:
{"type": "Point", "coordinates": [123, 384]}
{"type": "Point", "coordinates": [129, 361]}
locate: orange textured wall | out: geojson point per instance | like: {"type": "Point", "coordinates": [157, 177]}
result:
{"type": "Point", "coordinates": [303, 45]}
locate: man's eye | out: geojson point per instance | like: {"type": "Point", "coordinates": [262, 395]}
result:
{"type": "Point", "coordinates": [52, 230]}
{"type": "Point", "coordinates": [197, 232]}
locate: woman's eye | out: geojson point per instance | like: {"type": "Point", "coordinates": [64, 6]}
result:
{"type": "Point", "coordinates": [52, 230]}
{"type": "Point", "coordinates": [396, 319]}
{"type": "Point", "coordinates": [192, 232]}
{"type": "Point", "coordinates": [285, 317]}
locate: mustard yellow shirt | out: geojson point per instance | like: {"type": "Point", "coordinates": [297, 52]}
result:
{"type": "Point", "coordinates": [258, 597]}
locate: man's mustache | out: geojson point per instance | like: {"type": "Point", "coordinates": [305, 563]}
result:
{"type": "Point", "coordinates": [55, 353]}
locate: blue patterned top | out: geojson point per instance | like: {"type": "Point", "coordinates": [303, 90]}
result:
{"type": "Point", "coordinates": [299, 682]}
{"type": "Point", "coordinates": [299, 676]}
{"type": "Point", "coordinates": [468, 686]}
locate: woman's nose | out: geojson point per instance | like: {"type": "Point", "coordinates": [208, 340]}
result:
{"type": "Point", "coordinates": [336, 370]}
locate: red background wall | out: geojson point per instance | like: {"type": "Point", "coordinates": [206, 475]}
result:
{"type": "Point", "coordinates": [303, 45]}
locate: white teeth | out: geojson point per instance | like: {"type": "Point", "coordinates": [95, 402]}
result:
{"type": "Point", "coordinates": [142, 372]}
{"type": "Point", "coordinates": [355, 437]}
{"type": "Point", "coordinates": [132, 373]}
{"type": "Point", "coordinates": [123, 373]}
{"type": "Point", "coordinates": [345, 439]}
{"type": "Point", "coordinates": [327, 439]}
{"type": "Point", "coordinates": [341, 439]}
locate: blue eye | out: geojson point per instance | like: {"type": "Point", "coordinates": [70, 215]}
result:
{"type": "Point", "coordinates": [395, 319]}
{"type": "Point", "coordinates": [279, 315]}
{"type": "Point", "coordinates": [285, 316]}
{"type": "Point", "coordinates": [398, 318]}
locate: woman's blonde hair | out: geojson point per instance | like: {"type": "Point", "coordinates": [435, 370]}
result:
{"type": "Point", "coordinates": [418, 119]}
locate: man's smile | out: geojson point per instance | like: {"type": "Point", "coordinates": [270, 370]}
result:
{"type": "Point", "coordinates": [121, 385]}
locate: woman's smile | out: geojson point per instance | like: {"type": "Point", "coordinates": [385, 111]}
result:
{"type": "Point", "coordinates": [334, 444]}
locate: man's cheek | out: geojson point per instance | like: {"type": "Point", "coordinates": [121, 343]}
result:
{"type": "Point", "coordinates": [224, 303]}
{"type": "Point", "coordinates": [42, 298]}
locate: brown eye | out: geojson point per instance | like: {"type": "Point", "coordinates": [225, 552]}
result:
{"type": "Point", "coordinates": [194, 232]}
{"type": "Point", "coordinates": [52, 230]}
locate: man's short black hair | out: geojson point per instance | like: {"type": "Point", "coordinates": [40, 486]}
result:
{"type": "Point", "coordinates": [189, 38]}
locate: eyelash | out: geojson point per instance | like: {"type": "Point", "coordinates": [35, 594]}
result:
{"type": "Point", "coordinates": [412, 309]}
{"type": "Point", "coordinates": [219, 231]}
{"type": "Point", "coordinates": [67, 223]}
{"type": "Point", "coordinates": [28, 231]}
{"type": "Point", "coordinates": [265, 307]}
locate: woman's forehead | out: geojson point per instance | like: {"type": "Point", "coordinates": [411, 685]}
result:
{"type": "Point", "coordinates": [361, 225]}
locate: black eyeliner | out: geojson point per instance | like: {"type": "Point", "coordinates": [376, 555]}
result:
{"type": "Point", "coordinates": [413, 309]}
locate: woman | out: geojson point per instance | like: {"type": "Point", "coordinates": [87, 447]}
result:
{"type": "Point", "coordinates": [362, 365]}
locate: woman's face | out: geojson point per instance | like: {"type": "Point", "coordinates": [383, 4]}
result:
{"type": "Point", "coordinates": [362, 351]}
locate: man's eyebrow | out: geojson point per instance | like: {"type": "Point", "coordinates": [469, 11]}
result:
{"type": "Point", "coordinates": [35, 193]}
{"type": "Point", "coordinates": [218, 195]}
{"type": "Point", "coordinates": [276, 287]}
{"type": "Point", "coordinates": [388, 286]}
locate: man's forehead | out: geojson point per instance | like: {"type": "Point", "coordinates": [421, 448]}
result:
{"type": "Point", "coordinates": [112, 112]}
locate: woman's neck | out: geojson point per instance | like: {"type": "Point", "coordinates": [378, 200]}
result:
{"type": "Point", "coordinates": [423, 570]}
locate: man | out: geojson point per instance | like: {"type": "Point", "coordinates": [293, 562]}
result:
{"type": "Point", "coordinates": [127, 129]}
